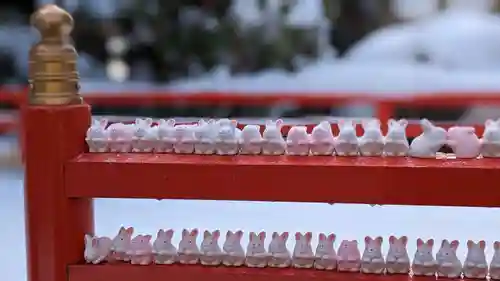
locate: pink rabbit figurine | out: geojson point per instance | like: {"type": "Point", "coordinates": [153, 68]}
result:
{"type": "Point", "coordinates": [372, 260]}
{"type": "Point", "coordinates": [424, 263]}
{"type": "Point", "coordinates": [273, 141]}
{"type": "Point", "coordinates": [297, 141]}
{"type": "Point", "coordinates": [251, 140]}
{"type": "Point", "coordinates": [166, 136]}
{"type": "Point", "coordinates": [348, 256]}
{"type": "Point", "coordinates": [141, 250]}
{"type": "Point", "coordinates": [464, 142]}
{"type": "Point", "coordinates": [280, 256]}
{"type": "Point", "coordinates": [211, 253]}
{"type": "Point", "coordinates": [475, 265]}
{"type": "Point", "coordinates": [163, 249]}
{"type": "Point", "coordinates": [97, 249]}
{"type": "Point", "coordinates": [448, 263]}
{"type": "Point", "coordinates": [185, 138]}
{"type": "Point", "coordinates": [398, 261]}
{"type": "Point", "coordinates": [494, 270]}
{"type": "Point", "coordinates": [121, 137]}
{"type": "Point", "coordinates": [256, 251]}
{"type": "Point", "coordinates": [98, 136]}
{"type": "Point", "coordinates": [325, 257]}
{"type": "Point", "coordinates": [427, 144]}
{"type": "Point", "coordinates": [322, 139]}
{"type": "Point", "coordinates": [121, 244]}
{"type": "Point", "coordinates": [234, 253]}
{"type": "Point", "coordinates": [205, 134]}
{"type": "Point", "coordinates": [371, 143]}
{"type": "Point", "coordinates": [396, 143]}
{"type": "Point", "coordinates": [303, 256]}
{"type": "Point", "coordinates": [188, 252]}
{"type": "Point", "coordinates": [490, 142]}
{"type": "Point", "coordinates": [228, 137]}
{"type": "Point", "coordinates": [145, 135]}
{"type": "Point", "coordinates": [346, 143]}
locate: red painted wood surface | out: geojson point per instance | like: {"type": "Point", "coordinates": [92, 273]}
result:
{"type": "Point", "coordinates": [55, 225]}
{"type": "Point", "coordinates": [200, 273]}
{"type": "Point", "coordinates": [403, 181]}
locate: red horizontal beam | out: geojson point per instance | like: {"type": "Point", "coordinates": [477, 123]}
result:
{"type": "Point", "coordinates": [400, 181]}
{"type": "Point", "coordinates": [199, 273]}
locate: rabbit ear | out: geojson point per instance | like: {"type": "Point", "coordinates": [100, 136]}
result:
{"type": "Point", "coordinates": [216, 234]}
{"type": "Point", "coordinates": [430, 242]}
{"type": "Point", "coordinates": [160, 233]}
{"type": "Point", "coordinates": [239, 234]}
{"type": "Point", "coordinates": [489, 122]}
{"type": "Point", "coordinates": [391, 122]}
{"type": "Point", "coordinates": [426, 124]}
{"type": "Point", "coordinates": [279, 123]}
{"type": "Point", "coordinates": [148, 121]}
{"type": "Point", "coordinates": [332, 237]}
{"type": "Point", "coordinates": [88, 239]}
{"type": "Point", "coordinates": [420, 242]}
{"type": "Point", "coordinates": [171, 122]}
{"type": "Point", "coordinates": [206, 234]}
{"type": "Point", "coordinates": [322, 236]}
{"type": "Point", "coordinates": [403, 122]}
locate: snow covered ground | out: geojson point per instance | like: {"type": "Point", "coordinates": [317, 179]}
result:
{"type": "Point", "coordinates": [347, 221]}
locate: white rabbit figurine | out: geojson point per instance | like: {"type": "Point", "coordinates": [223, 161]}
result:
{"type": "Point", "coordinates": [464, 142]}
{"type": "Point", "coordinates": [251, 140]}
{"type": "Point", "coordinates": [325, 257]}
{"type": "Point", "coordinates": [121, 244]}
{"type": "Point", "coordinates": [188, 251]}
{"type": "Point", "coordinates": [166, 136]}
{"type": "Point", "coordinates": [429, 142]}
{"type": "Point", "coordinates": [494, 270]}
{"type": "Point", "coordinates": [145, 135]}
{"type": "Point", "coordinates": [97, 136]}
{"type": "Point", "coordinates": [205, 136]}
{"type": "Point", "coordinates": [322, 139]}
{"type": "Point", "coordinates": [120, 137]}
{"type": "Point", "coordinates": [279, 254]}
{"type": "Point", "coordinates": [398, 261]}
{"type": "Point", "coordinates": [211, 253]}
{"type": "Point", "coordinates": [448, 263]}
{"type": "Point", "coordinates": [396, 143]}
{"type": "Point", "coordinates": [185, 138]}
{"type": "Point", "coordinates": [424, 263]}
{"type": "Point", "coordinates": [297, 141]}
{"type": "Point", "coordinates": [97, 249]}
{"type": "Point", "coordinates": [141, 250]}
{"type": "Point", "coordinates": [274, 143]}
{"type": "Point", "coordinates": [228, 137]}
{"type": "Point", "coordinates": [475, 265]}
{"type": "Point", "coordinates": [372, 260]}
{"type": "Point", "coordinates": [490, 142]}
{"type": "Point", "coordinates": [303, 256]}
{"type": "Point", "coordinates": [348, 256]}
{"type": "Point", "coordinates": [346, 143]}
{"type": "Point", "coordinates": [256, 251]}
{"type": "Point", "coordinates": [371, 143]}
{"type": "Point", "coordinates": [234, 253]}
{"type": "Point", "coordinates": [163, 250]}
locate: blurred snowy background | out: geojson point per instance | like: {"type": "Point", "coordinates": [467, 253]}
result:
{"type": "Point", "coordinates": [376, 47]}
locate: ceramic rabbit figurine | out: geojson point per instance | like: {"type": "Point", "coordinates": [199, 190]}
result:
{"type": "Point", "coordinates": [464, 142]}
{"type": "Point", "coordinates": [205, 134]}
{"type": "Point", "coordinates": [348, 256]}
{"type": "Point", "coordinates": [163, 249]}
{"type": "Point", "coordinates": [398, 261]}
{"type": "Point", "coordinates": [303, 256]}
{"type": "Point", "coordinates": [97, 136]}
{"type": "Point", "coordinates": [490, 142]}
{"type": "Point", "coordinates": [141, 250]}
{"type": "Point", "coordinates": [188, 251]}
{"type": "Point", "coordinates": [325, 257]}
{"type": "Point", "coordinates": [372, 260]}
{"type": "Point", "coordinates": [396, 142]}
{"type": "Point", "coordinates": [166, 136]}
{"type": "Point", "coordinates": [298, 140]}
{"type": "Point", "coordinates": [424, 263]}
{"type": "Point", "coordinates": [228, 137]}
{"type": "Point", "coordinates": [256, 252]}
{"type": "Point", "coordinates": [475, 265]}
{"type": "Point", "coordinates": [346, 143]}
{"type": "Point", "coordinates": [145, 135]}
{"type": "Point", "coordinates": [429, 142]}
{"type": "Point", "coordinates": [251, 140]}
{"type": "Point", "coordinates": [211, 253]}
{"type": "Point", "coordinates": [448, 263]}
{"type": "Point", "coordinates": [494, 270]}
{"type": "Point", "coordinates": [279, 254]}
{"type": "Point", "coordinates": [97, 249]}
{"type": "Point", "coordinates": [234, 253]}
{"type": "Point", "coordinates": [322, 139]}
{"type": "Point", "coordinates": [120, 137]}
{"type": "Point", "coordinates": [121, 244]}
{"type": "Point", "coordinates": [273, 141]}
{"type": "Point", "coordinates": [185, 138]}
{"type": "Point", "coordinates": [371, 143]}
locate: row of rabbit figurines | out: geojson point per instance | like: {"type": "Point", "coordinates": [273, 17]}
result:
{"type": "Point", "coordinates": [140, 250]}
{"type": "Point", "coordinates": [223, 137]}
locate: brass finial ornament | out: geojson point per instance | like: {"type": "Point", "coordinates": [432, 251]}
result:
{"type": "Point", "coordinates": [53, 73]}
